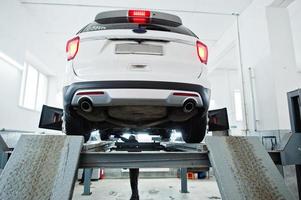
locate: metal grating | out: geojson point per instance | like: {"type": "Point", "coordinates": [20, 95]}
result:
{"type": "Point", "coordinates": [244, 169]}
{"type": "Point", "coordinates": [41, 167]}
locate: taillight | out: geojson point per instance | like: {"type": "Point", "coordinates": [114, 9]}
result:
{"type": "Point", "coordinates": [72, 48]}
{"type": "Point", "coordinates": [139, 16]}
{"type": "Point", "coordinates": [202, 52]}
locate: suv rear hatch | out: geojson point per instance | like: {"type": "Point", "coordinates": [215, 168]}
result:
{"type": "Point", "coordinates": [114, 44]}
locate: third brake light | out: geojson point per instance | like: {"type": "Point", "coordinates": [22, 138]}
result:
{"type": "Point", "coordinates": [139, 16]}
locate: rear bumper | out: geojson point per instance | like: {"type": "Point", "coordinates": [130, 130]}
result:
{"type": "Point", "coordinates": [147, 97]}
{"type": "Point", "coordinates": [135, 93]}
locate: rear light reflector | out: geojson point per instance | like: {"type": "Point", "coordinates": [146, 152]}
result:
{"type": "Point", "coordinates": [186, 94]}
{"type": "Point", "coordinates": [202, 52]}
{"type": "Point", "coordinates": [92, 93]}
{"type": "Point", "coordinates": [139, 16]}
{"type": "Point", "coordinates": [72, 48]}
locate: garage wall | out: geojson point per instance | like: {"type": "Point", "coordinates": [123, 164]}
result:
{"type": "Point", "coordinates": [255, 51]}
{"type": "Point", "coordinates": [20, 41]}
{"type": "Point", "coordinates": [12, 115]}
{"type": "Point", "coordinates": [267, 48]}
{"type": "Point", "coordinates": [295, 16]}
{"type": "Point", "coordinates": [271, 49]}
{"type": "Point", "coordinates": [55, 91]}
{"type": "Point", "coordinates": [224, 83]}
{"type": "Point", "coordinates": [21, 38]}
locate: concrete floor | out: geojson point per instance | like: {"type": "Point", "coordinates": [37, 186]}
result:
{"type": "Point", "coordinates": [150, 189]}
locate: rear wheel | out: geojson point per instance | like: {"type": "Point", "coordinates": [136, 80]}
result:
{"type": "Point", "coordinates": [76, 126]}
{"type": "Point", "coordinates": [194, 130]}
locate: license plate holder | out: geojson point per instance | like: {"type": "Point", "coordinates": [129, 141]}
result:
{"type": "Point", "coordinates": [145, 49]}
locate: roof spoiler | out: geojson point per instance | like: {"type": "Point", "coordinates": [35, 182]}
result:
{"type": "Point", "coordinates": [121, 16]}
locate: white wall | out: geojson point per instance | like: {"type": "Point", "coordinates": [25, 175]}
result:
{"type": "Point", "coordinates": [255, 52]}
{"type": "Point", "coordinates": [295, 16]}
{"type": "Point", "coordinates": [20, 40]}
{"type": "Point", "coordinates": [55, 91]}
{"type": "Point", "coordinates": [21, 37]}
{"type": "Point", "coordinates": [13, 116]}
{"type": "Point", "coordinates": [224, 83]}
{"type": "Point", "coordinates": [267, 49]}
{"type": "Point", "coordinates": [271, 46]}
{"type": "Point", "coordinates": [286, 76]}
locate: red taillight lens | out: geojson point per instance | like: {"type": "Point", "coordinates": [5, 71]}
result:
{"type": "Point", "coordinates": [139, 16]}
{"type": "Point", "coordinates": [202, 52]}
{"type": "Point", "coordinates": [72, 48]}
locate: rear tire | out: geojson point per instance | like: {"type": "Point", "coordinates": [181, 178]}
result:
{"type": "Point", "coordinates": [76, 126]}
{"type": "Point", "coordinates": [194, 130]}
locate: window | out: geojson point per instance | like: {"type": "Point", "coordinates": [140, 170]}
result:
{"type": "Point", "coordinates": [238, 106]}
{"type": "Point", "coordinates": [33, 88]}
{"type": "Point", "coordinates": [156, 27]}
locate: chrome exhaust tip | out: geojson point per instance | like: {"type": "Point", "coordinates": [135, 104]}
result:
{"type": "Point", "coordinates": [86, 105]}
{"type": "Point", "coordinates": [189, 106]}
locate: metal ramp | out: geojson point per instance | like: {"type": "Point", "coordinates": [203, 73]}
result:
{"type": "Point", "coordinates": [244, 169]}
{"type": "Point", "coordinates": [41, 167]}
{"type": "Point", "coordinates": [45, 166]}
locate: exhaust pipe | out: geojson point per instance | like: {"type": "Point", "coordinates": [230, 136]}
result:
{"type": "Point", "coordinates": [188, 106]}
{"type": "Point", "coordinates": [86, 105]}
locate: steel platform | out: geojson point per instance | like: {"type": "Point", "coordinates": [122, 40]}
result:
{"type": "Point", "coordinates": [244, 170]}
{"type": "Point", "coordinates": [143, 160]}
{"type": "Point", "coordinates": [44, 166]}
{"type": "Point", "coordinates": [41, 167]}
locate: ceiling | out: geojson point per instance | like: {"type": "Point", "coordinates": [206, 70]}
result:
{"type": "Point", "coordinates": [59, 20]}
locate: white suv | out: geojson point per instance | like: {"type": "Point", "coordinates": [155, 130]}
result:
{"type": "Point", "coordinates": [136, 70]}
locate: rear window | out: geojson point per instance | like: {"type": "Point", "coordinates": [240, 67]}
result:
{"type": "Point", "coordinates": [174, 29]}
